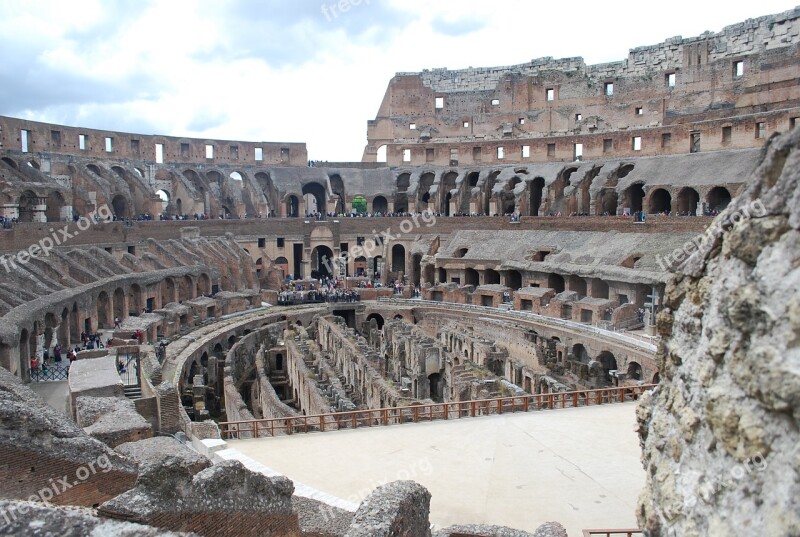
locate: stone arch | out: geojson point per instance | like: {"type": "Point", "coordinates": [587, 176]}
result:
{"type": "Point", "coordinates": [337, 187]}
{"type": "Point", "coordinates": [718, 198]}
{"type": "Point", "coordinates": [167, 291]}
{"type": "Point", "coordinates": [555, 281]}
{"type": "Point", "coordinates": [634, 197]}
{"type": "Point", "coordinates": [578, 285]}
{"type": "Point", "coordinates": [688, 200]}
{"type": "Point", "coordinates": [380, 205]}
{"type": "Point", "coordinates": [63, 328]}
{"type": "Point", "coordinates": [471, 277]}
{"type": "Point", "coordinates": [416, 269]}
{"type": "Point", "coordinates": [378, 319]}
{"type": "Point", "coordinates": [104, 316]}
{"type": "Point", "coordinates": [203, 285]}
{"type": "Point", "coordinates": [660, 201]}
{"type": "Point", "coordinates": [292, 206]}
{"type": "Point", "coordinates": [398, 258]}
{"type": "Point", "coordinates": [135, 299]}
{"type": "Point", "coordinates": [118, 301]}
{"type": "Point", "coordinates": [634, 371]}
{"type": "Point", "coordinates": [536, 192]}
{"type": "Point", "coordinates": [608, 201]}
{"type": "Point", "coordinates": [11, 162]}
{"type": "Point", "coordinates": [487, 191]}
{"type": "Point", "coordinates": [599, 288]}
{"type": "Point", "coordinates": [321, 262]}
{"type": "Point", "coordinates": [55, 206]}
{"type": "Point", "coordinates": [514, 279]}
{"type": "Point", "coordinates": [318, 192]}
{"type": "Point", "coordinates": [609, 363]}
{"type": "Point", "coordinates": [28, 200]}
{"type": "Point", "coordinates": [119, 205]}
{"type": "Point", "coordinates": [580, 354]}
{"type": "Point", "coordinates": [491, 277]}
{"type": "Point", "coordinates": [185, 288]}
{"type": "Point", "coordinates": [423, 194]}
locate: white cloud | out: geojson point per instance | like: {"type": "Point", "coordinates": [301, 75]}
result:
{"type": "Point", "coordinates": [279, 71]}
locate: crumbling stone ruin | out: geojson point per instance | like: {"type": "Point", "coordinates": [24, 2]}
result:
{"type": "Point", "coordinates": [719, 436]}
{"type": "Point", "coordinates": [534, 230]}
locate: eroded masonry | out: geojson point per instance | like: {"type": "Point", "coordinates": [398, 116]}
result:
{"type": "Point", "coordinates": [510, 238]}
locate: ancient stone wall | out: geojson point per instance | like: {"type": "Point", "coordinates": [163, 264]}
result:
{"type": "Point", "coordinates": [719, 435]}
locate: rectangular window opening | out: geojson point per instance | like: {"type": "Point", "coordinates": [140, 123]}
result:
{"type": "Point", "coordinates": [209, 151]}
{"type": "Point", "coordinates": [262, 242]}
{"type": "Point", "coordinates": [109, 144]}
{"type": "Point", "coordinates": [738, 68]}
{"type": "Point", "coordinates": [578, 117]}
{"type": "Point", "coordinates": [55, 138]}
{"type": "Point", "coordinates": [608, 88]}
{"type": "Point", "coordinates": [412, 126]}
{"type": "Point", "coordinates": [608, 145]}
{"type": "Point", "coordinates": [453, 157]}
{"type": "Point", "coordinates": [159, 153]}
{"type": "Point", "coordinates": [406, 155]}
{"type": "Point", "coordinates": [476, 154]}
{"type": "Point", "coordinates": [792, 123]}
{"type": "Point", "coordinates": [526, 151]}
{"type": "Point", "coordinates": [284, 154]}
{"type": "Point", "coordinates": [184, 150]}
{"type": "Point", "coordinates": [466, 124]}
{"type": "Point", "coordinates": [694, 142]}
{"type": "Point", "coordinates": [23, 140]}
{"type": "Point", "coordinates": [639, 111]}
{"type": "Point", "coordinates": [501, 153]}
{"type": "Point", "coordinates": [726, 134]}
{"type": "Point", "coordinates": [82, 142]}
{"type": "Point", "coordinates": [281, 242]}
{"type": "Point", "coordinates": [439, 103]}
{"type": "Point", "coordinates": [234, 152]}
{"type": "Point", "coordinates": [666, 139]}
{"type": "Point", "coordinates": [259, 154]}
{"type": "Point", "coordinates": [578, 151]}
{"type": "Point", "coordinates": [429, 155]}
{"type": "Point", "coordinates": [550, 94]}
{"type": "Point", "coordinates": [670, 79]}
{"type": "Point", "coordinates": [495, 102]}
{"type": "Point", "coordinates": [761, 129]}
{"type": "Point", "coordinates": [522, 121]}
{"type": "Point", "coordinates": [637, 143]}
{"type": "Point", "coordinates": [551, 150]}
{"type": "Point", "coordinates": [135, 146]}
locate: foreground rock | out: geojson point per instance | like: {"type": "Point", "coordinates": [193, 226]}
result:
{"type": "Point", "coordinates": [720, 434]}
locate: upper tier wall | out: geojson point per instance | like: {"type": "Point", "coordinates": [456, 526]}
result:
{"type": "Point", "coordinates": [80, 141]}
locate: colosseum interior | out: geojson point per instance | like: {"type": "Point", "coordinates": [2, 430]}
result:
{"type": "Point", "coordinates": [506, 245]}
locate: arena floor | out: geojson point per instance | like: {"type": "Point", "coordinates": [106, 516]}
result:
{"type": "Point", "coordinates": [580, 466]}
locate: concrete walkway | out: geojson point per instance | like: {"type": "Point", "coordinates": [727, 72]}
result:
{"type": "Point", "coordinates": [55, 393]}
{"type": "Point", "coordinates": [578, 466]}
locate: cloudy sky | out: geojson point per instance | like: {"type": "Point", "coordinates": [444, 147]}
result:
{"type": "Point", "coordinates": [295, 70]}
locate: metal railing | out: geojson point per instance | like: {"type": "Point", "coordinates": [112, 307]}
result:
{"type": "Point", "coordinates": [612, 533]}
{"type": "Point", "coordinates": [543, 319]}
{"type": "Point", "coordinates": [53, 372]}
{"type": "Point", "coordinates": [429, 412]}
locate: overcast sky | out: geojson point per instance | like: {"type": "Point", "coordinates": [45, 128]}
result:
{"type": "Point", "coordinates": [295, 70]}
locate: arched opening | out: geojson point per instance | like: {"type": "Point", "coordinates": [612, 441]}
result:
{"type": "Point", "coordinates": [401, 203]}
{"type": "Point", "coordinates": [321, 262]}
{"type": "Point", "coordinates": [442, 273]}
{"type": "Point", "coordinates": [55, 206]}
{"type": "Point", "coordinates": [471, 277]}
{"type": "Point", "coordinates": [135, 300]}
{"type": "Point", "coordinates": [380, 205]}
{"type": "Point", "coordinates": [688, 200]}
{"type": "Point", "coordinates": [279, 362]}
{"type": "Point", "coordinates": [634, 197]}
{"type": "Point", "coordinates": [380, 156]}
{"type": "Point", "coordinates": [119, 303]}
{"type": "Point", "coordinates": [63, 328]}
{"type": "Point", "coordinates": [398, 258]}
{"type": "Point", "coordinates": [337, 187]}
{"type": "Point", "coordinates": [428, 274]}
{"type": "Point", "coordinates": [179, 206]}
{"type": "Point", "coordinates": [359, 205]}
{"type": "Point", "coordinates": [634, 371]}
{"type": "Point", "coordinates": [425, 183]}
{"type": "Point", "coordinates": [24, 354]}
{"type": "Point", "coordinates": [167, 291]}
{"type": "Point", "coordinates": [403, 181]}
{"type": "Point", "coordinates": [513, 279]}
{"type": "Point", "coordinates": [487, 192]}
{"type": "Point", "coordinates": [448, 185]}
{"type": "Point", "coordinates": [104, 319]}
{"type": "Point", "coordinates": [416, 269]}
{"type": "Point", "coordinates": [609, 363]}
{"type": "Point", "coordinates": [203, 285]}
{"type": "Point", "coordinates": [236, 176]}
{"type": "Point", "coordinates": [718, 198]}
{"type": "Point", "coordinates": [578, 285]}
{"type": "Point", "coordinates": [608, 201]}
{"type": "Point", "coordinates": [27, 202]}
{"type": "Point", "coordinates": [537, 189]}
{"type": "Point", "coordinates": [318, 192]}
{"type": "Point", "coordinates": [660, 201]}
{"type": "Point", "coordinates": [580, 354]}
{"type": "Point", "coordinates": [10, 162]}
{"type": "Point", "coordinates": [491, 277]}
{"type": "Point", "coordinates": [436, 387]}
{"type": "Point", "coordinates": [283, 264]}
{"type": "Point", "coordinates": [599, 288]}
{"type": "Point", "coordinates": [186, 288]}
{"type": "Point", "coordinates": [164, 197]}
{"type": "Point", "coordinates": [556, 282]}
{"type": "Point", "coordinates": [378, 319]}
{"type": "Point", "coordinates": [292, 206]}
{"type": "Point", "coordinates": [120, 207]}
{"type": "Point", "coordinates": [377, 265]}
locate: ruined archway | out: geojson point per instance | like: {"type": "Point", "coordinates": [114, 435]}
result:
{"type": "Point", "coordinates": [634, 196]}
{"type": "Point", "coordinates": [55, 207]}
{"type": "Point", "coordinates": [380, 205]}
{"type": "Point", "coordinates": [536, 191]}
{"type": "Point", "coordinates": [321, 262]}
{"type": "Point", "coordinates": [398, 258]}
{"type": "Point", "coordinates": [660, 201]}
{"type": "Point", "coordinates": [556, 282]}
{"type": "Point", "coordinates": [718, 198]}
{"type": "Point", "coordinates": [119, 206]}
{"type": "Point", "coordinates": [318, 192]}
{"type": "Point", "coordinates": [688, 200]}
